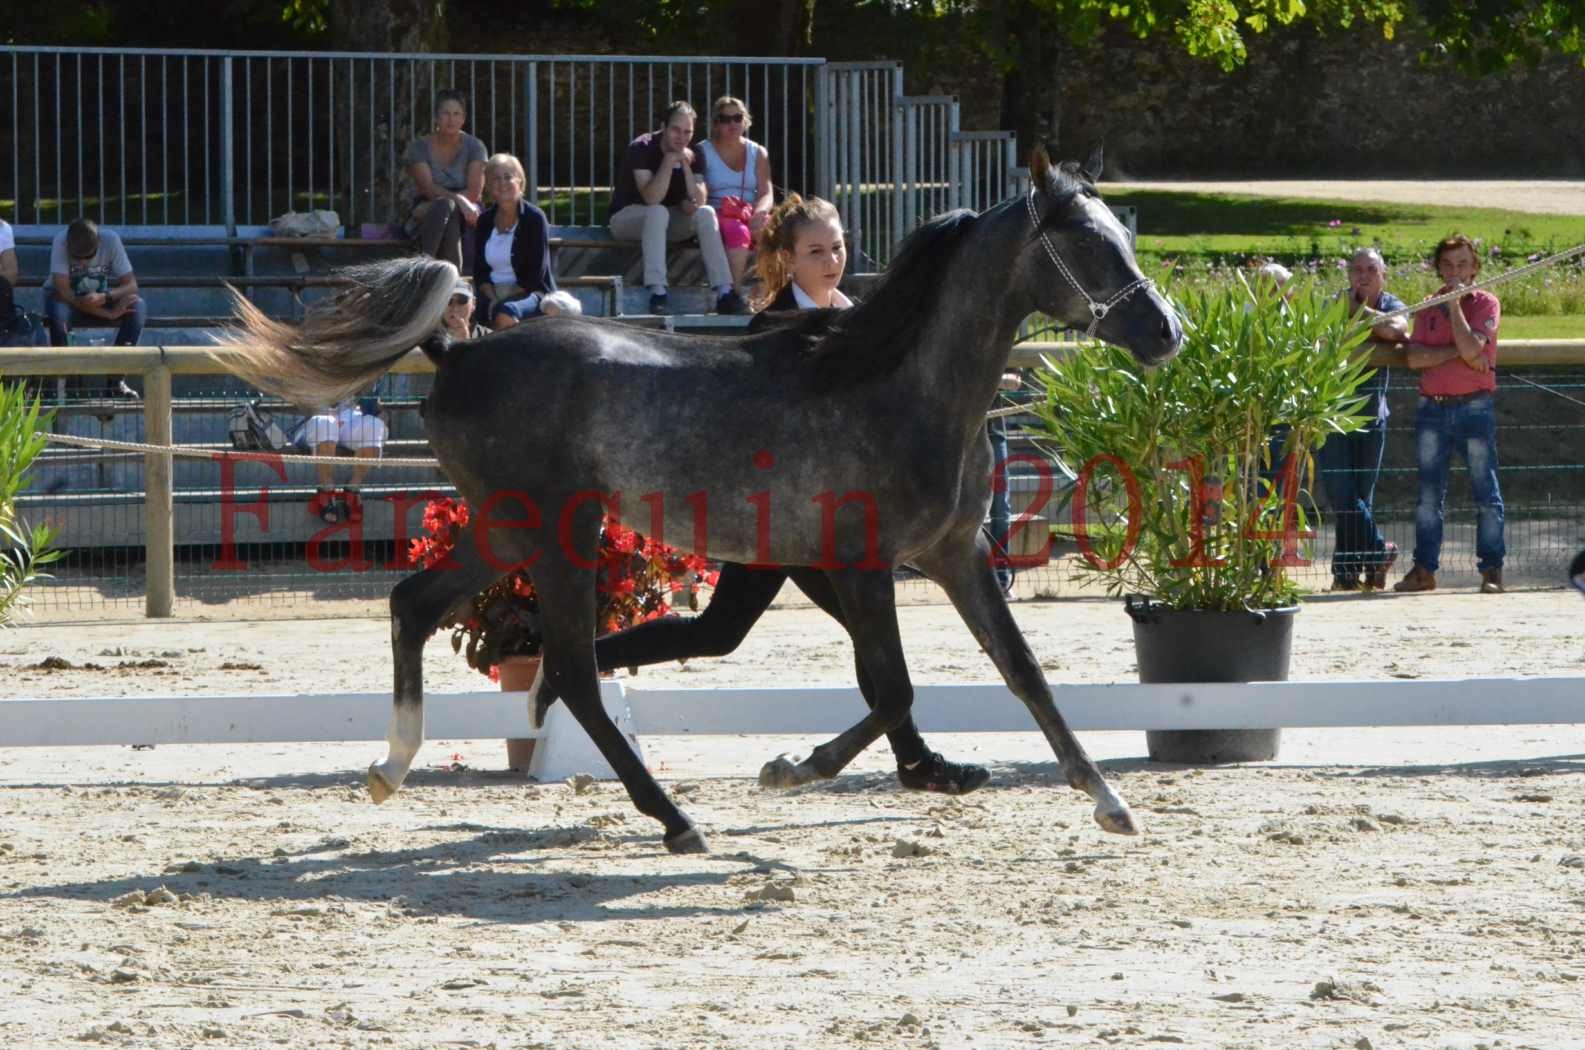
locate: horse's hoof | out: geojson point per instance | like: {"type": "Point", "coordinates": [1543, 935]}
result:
{"type": "Point", "coordinates": [1116, 818]}
{"type": "Point", "coordinates": [690, 841]}
{"type": "Point", "coordinates": [380, 789]}
{"type": "Point", "coordinates": [779, 772]}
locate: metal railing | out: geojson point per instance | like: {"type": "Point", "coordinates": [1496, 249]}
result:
{"type": "Point", "coordinates": [982, 164]}
{"type": "Point", "coordinates": [228, 139]}
{"type": "Point", "coordinates": [927, 177]}
{"type": "Point", "coordinates": [861, 154]}
{"type": "Point", "coordinates": [222, 140]}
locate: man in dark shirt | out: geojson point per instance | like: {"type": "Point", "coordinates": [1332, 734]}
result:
{"type": "Point", "coordinates": [659, 196]}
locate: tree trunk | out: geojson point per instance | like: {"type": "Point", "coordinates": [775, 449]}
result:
{"type": "Point", "coordinates": [404, 27]}
{"type": "Point", "coordinates": [783, 31]}
{"type": "Point", "coordinates": [1032, 83]}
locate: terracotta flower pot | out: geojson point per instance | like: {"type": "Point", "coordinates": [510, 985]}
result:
{"type": "Point", "coordinates": [517, 675]}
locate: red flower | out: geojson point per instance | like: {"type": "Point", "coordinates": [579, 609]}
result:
{"type": "Point", "coordinates": [634, 579]}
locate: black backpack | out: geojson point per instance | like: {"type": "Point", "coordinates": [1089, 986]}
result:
{"type": "Point", "coordinates": [19, 328]}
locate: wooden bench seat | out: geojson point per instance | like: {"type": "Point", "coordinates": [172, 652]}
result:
{"type": "Point", "coordinates": [610, 287]}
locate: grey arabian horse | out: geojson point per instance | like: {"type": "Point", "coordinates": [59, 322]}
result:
{"type": "Point", "coordinates": [847, 442]}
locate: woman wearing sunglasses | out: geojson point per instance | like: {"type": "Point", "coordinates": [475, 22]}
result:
{"type": "Point", "coordinates": [737, 178]}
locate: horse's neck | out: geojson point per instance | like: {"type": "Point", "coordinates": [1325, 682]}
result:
{"type": "Point", "coordinates": [961, 361]}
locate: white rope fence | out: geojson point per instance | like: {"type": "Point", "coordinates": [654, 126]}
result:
{"type": "Point", "coordinates": [995, 413]}
{"type": "Point", "coordinates": [256, 457]}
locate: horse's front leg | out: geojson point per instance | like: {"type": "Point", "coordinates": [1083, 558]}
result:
{"type": "Point", "coordinates": [567, 604]}
{"type": "Point", "coordinates": [418, 604]}
{"type": "Point", "coordinates": [869, 611]}
{"type": "Point", "coordinates": [962, 566]}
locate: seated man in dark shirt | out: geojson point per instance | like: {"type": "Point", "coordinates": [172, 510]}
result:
{"type": "Point", "coordinates": [659, 196]}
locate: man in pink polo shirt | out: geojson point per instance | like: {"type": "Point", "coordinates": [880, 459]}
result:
{"type": "Point", "coordinates": [1455, 352]}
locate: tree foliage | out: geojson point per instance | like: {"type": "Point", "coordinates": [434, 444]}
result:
{"type": "Point", "coordinates": [1487, 36]}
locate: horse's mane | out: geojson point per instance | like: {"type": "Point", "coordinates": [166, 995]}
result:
{"type": "Point", "coordinates": [836, 348]}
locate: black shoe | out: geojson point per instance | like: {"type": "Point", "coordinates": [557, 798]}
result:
{"type": "Point", "coordinates": [936, 774]}
{"type": "Point", "coordinates": [731, 303]}
{"type": "Point", "coordinates": [659, 305]}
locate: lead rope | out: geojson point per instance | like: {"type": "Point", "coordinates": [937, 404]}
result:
{"type": "Point", "coordinates": [1459, 293]}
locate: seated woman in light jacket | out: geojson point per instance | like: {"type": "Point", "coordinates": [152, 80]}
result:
{"type": "Point", "coordinates": [511, 263]}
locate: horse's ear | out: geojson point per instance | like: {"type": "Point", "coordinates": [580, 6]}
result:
{"type": "Point", "coordinates": [1095, 165]}
{"type": "Point", "coordinates": [1040, 168]}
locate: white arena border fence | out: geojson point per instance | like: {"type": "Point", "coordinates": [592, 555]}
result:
{"type": "Point", "coordinates": [99, 721]}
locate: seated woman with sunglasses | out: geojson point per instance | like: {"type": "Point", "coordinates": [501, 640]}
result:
{"type": "Point", "coordinates": [737, 179]}
{"type": "Point", "coordinates": [512, 260]}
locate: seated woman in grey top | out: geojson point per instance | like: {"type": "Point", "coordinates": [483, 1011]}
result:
{"type": "Point", "coordinates": [447, 168]}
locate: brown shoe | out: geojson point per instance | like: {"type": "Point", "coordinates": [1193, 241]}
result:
{"type": "Point", "coordinates": [1418, 579]}
{"type": "Point", "coordinates": [1491, 581]}
{"type": "Point", "coordinates": [1376, 579]}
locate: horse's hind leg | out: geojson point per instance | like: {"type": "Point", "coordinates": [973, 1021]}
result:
{"type": "Point", "coordinates": [868, 607]}
{"type": "Point", "coordinates": [418, 604]}
{"type": "Point", "coordinates": [962, 567]}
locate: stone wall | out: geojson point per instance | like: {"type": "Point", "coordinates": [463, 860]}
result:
{"type": "Point", "coordinates": [1307, 104]}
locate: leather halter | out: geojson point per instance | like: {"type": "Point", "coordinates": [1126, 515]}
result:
{"type": "Point", "coordinates": [1098, 310]}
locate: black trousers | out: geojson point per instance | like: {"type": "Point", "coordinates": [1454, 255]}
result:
{"type": "Point", "coordinates": [741, 597]}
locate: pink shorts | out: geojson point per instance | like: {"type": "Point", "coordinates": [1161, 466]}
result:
{"type": "Point", "coordinates": [735, 234]}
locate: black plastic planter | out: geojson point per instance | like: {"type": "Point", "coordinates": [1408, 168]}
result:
{"type": "Point", "coordinates": [1197, 646]}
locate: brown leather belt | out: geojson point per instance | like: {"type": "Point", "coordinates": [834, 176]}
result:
{"type": "Point", "coordinates": [1454, 399]}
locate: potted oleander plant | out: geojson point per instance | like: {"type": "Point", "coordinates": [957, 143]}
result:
{"type": "Point", "coordinates": [24, 549]}
{"type": "Point", "coordinates": [1193, 500]}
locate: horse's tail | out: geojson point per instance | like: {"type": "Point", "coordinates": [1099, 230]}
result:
{"type": "Point", "coordinates": [346, 341]}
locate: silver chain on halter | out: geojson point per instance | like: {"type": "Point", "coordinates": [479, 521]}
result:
{"type": "Point", "coordinates": [1098, 310]}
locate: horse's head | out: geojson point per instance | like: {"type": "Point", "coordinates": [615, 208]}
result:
{"type": "Point", "coordinates": [1079, 268]}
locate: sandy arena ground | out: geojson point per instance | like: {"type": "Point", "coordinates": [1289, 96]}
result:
{"type": "Point", "coordinates": [1382, 888]}
{"type": "Point", "coordinates": [1544, 196]}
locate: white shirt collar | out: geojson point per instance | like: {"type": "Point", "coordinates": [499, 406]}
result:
{"type": "Point", "coordinates": [838, 300]}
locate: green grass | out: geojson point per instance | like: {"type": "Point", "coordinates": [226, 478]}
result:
{"type": "Point", "coordinates": [1211, 225]}
{"type": "Point", "coordinates": [1521, 327]}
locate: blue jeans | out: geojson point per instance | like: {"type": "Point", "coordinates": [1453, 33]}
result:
{"type": "Point", "coordinates": [1001, 503]}
{"type": "Point", "coordinates": [1350, 464]}
{"type": "Point", "coordinates": [61, 317]}
{"type": "Point", "coordinates": [1470, 426]}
